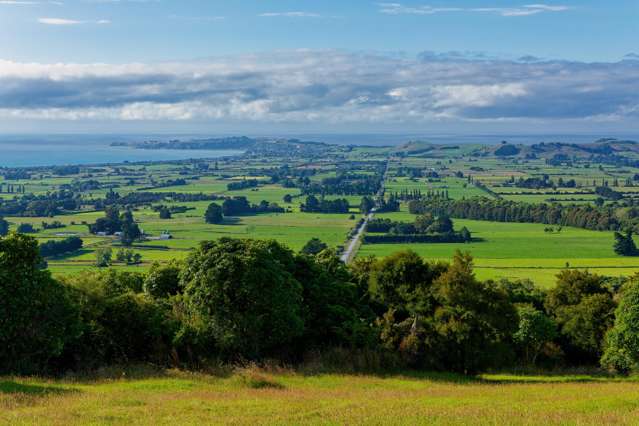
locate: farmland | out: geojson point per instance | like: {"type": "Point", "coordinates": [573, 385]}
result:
{"type": "Point", "coordinates": [500, 250]}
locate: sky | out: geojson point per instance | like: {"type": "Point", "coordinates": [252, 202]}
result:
{"type": "Point", "coordinates": [319, 66]}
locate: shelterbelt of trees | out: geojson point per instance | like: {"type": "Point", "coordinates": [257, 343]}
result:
{"type": "Point", "coordinates": [253, 300]}
{"type": "Point", "coordinates": [607, 218]}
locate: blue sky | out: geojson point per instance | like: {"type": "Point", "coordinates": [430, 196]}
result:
{"type": "Point", "coordinates": [305, 65]}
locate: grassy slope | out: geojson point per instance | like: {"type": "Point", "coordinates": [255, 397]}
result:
{"type": "Point", "coordinates": [286, 398]}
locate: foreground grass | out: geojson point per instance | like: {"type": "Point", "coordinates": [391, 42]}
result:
{"type": "Point", "coordinates": [255, 397]}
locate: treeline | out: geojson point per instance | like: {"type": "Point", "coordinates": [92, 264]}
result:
{"type": "Point", "coordinates": [580, 216]}
{"type": "Point", "coordinates": [243, 184]}
{"type": "Point", "coordinates": [240, 206]}
{"type": "Point", "coordinates": [451, 237]}
{"type": "Point", "coordinates": [48, 205]}
{"type": "Point", "coordinates": [425, 229]}
{"type": "Point", "coordinates": [346, 183]}
{"type": "Point", "coordinates": [313, 205]}
{"type": "Point", "coordinates": [255, 300]}
{"type": "Point", "coordinates": [58, 247]}
{"type": "Point", "coordinates": [133, 199]}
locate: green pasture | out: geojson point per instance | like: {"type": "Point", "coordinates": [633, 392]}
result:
{"type": "Point", "coordinates": [522, 250]}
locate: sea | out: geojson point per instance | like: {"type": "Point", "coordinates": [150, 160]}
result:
{"type": "Point", "coordinates": [48, 150]}
{"type": "Point", "coordinates": [58, 150]}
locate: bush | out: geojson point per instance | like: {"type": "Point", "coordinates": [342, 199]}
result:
{"type": "Point", "coordinates": [119, 325]}
{"type": "Point", "coordinates": [37, 318]}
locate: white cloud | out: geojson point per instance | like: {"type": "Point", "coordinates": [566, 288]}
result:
{"type": "Point", "coordinates": [67, 22]}
{"type": "Point", "coordinates": [326, 86]}
{"type": "Point", "coordinates": [291, 14]}
{"type": "Point", "coordinates": [526, 10]}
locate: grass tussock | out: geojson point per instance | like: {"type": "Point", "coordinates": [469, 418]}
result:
{"type": "Point", "coordinates": [255, 378]}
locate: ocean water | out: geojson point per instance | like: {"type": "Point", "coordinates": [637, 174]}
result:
{"type": "Point", "coordinates": [29, 151]}
{"type": "Point", "coordinates": [39, 150]}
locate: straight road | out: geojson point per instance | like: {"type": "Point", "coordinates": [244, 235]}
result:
{"type": "Point", "coordinates": [350, 252]}
{"type": "Point", "coordinates": [352, 245]}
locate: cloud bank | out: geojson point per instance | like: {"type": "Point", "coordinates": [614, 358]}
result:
{"type": "Point", "coordinates": [324, 87]}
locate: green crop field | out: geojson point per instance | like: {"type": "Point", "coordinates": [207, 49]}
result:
{"type": "Point", "coordinates": [522, 250]}
{"type": "Point", "coordinates": [255, 397]}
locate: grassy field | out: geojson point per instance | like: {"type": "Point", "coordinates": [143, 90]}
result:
{"type": "Point", "coordinates": [255, 397]}
{"type": "Point", "coordinates": [522, 250]}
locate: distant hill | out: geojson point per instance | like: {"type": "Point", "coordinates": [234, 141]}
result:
{"type": "Point", "coordinates": [255, 146]}
{"type": "Point", "coordinates": [605, 151]}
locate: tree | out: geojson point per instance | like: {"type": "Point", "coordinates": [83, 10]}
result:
{"type": "Point", "coordinates": [622, 341]}
{"type": "Point", "coordinates": [37, 317]}
{"type": "Point", "coordinates": [473, 320]}
{"type": "Point", "coordinates": [288, 198]}
{"type": "Point", "coordinates": [465, 234]}
{"type": "Point", "coordinates": [242, 293]}
{"type": "Point", "coordinates": [583, 309]}
{"type": "Point", "coordinates": [535, 330]}
{"type": "Point", "coordinates": [423, 222]}
{"type": "Point", "coordinates": [4, 227]}
{"type": "Point", "coordinates": [366, 205]}
{"type": "Point", "coordinates": [109, 224]}
{"type": "Point", "coordinates": [165, 213]}
{"type": "Point", "coordinates": [163, 280]}
{"type": "Point", "coordinates": [625, 244]}
{"type": "Point", "coordinates": [128, 256]}
{"type": "Point", "coordinates": [103, 257]}
{"type": "Point", "coordinates": [402, 282]}
{"type": "Point", "coordinates": [130, 229]}
{"type": "Point", "coordinates": [25, 228]}
{"type": "Point", "coordinates": [314, 246]}
{"type": "Point", "coordinates": [334, 311]}
{"type": "Point", "coordinates": [214, 214]}
{"type": "Point", "coordinates": [442, 225]}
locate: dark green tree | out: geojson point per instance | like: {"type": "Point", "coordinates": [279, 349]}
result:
{"type": "Point", "coordinates": [366, 205]}
{"type": "Point", "coordinates": [583, 309]}
{"type": "Point", "coordinates": [314, 246]}
{"type": "Point", "coordinates": [442, 225]}
{"type": "Point", "coordinates": [4, 227]}
{"type": "Point", "coordinates": [242, 293]}
{"type": "Point", "coordinates": [214, 214]}
{"type": "Point", "coordinates": [625, 244]}
{"type": "Point", "coordinates": [535, 330]}
{"type": "Point", "coordinates": [622, 341]}
{"type": "Point", "coordinates": [37, 317]}
{"type": "Point", "coordinates": [163, 280]}
{"type": "Point", "coordinates": [130, 229]}
{"type": "Point", "coordinates": [165, 213]}
{"type": "Point", "coordinates": [473, 321]}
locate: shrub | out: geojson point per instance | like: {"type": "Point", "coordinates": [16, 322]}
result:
{"type": "Point", "coordinates": [37, 318]}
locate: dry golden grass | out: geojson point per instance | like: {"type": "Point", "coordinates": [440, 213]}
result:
{"type": "Point", "coordinates": [253, 396]}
